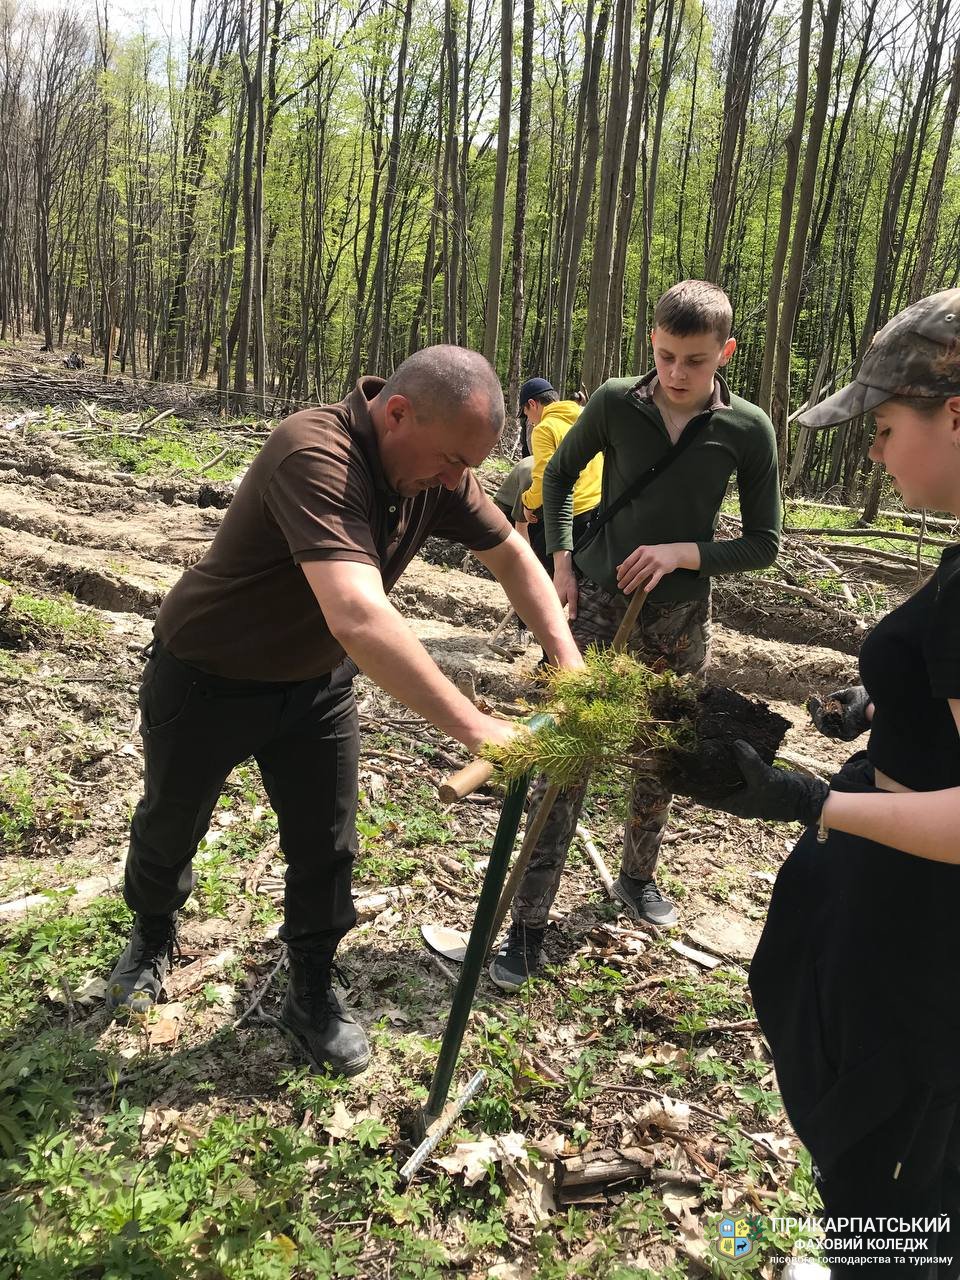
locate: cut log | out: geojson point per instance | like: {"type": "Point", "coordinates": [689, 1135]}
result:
{"type": "Point", "coordinates": [600, 1169]}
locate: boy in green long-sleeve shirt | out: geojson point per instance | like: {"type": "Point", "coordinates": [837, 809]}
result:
{"type": "Point", "coordinates": [663, 541]}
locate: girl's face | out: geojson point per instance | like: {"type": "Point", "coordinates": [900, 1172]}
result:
{"type": "Point", "coordinates": [921, 452]}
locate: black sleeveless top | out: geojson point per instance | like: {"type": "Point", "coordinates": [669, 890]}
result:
{"type": "Point", "coordinates": [910, 665]}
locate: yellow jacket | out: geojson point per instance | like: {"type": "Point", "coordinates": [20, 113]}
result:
{"type": "Point", "coordinates": [556, 421]}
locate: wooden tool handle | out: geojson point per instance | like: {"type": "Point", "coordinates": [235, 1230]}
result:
{"type": "Point", "coordinates": [467, 779]}
{"type": "Point", "coordinates": [625, 628]}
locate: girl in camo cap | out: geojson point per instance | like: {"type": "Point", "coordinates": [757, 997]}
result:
{"type": "Point", "coordinates": [856, 980]}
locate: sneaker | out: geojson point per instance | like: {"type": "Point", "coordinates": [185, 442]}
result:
{"type": "Point", "coordinates": [518, 958]}
{"type": "Point", "coordinates": [139, 974]}
{"type": "Point", "coordinates": [643, 901]}
{"type": "Point", "coordinates": [313, 1012]}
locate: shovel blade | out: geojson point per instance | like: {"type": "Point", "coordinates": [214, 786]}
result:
{"type": "Point", "coordinates": [449, 943]}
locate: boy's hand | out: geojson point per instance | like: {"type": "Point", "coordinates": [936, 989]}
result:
{"type": "Point", "coordinates": [646, 566]}
{"type": "Point", "coordinates": [565, 581]}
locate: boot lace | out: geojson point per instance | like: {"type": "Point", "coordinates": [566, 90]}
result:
{"type": "Point", "coordinates": [158, 939]}
{"type": "Point", "coordinates": [319, 971]}
{"type": "Point", "coordinates": [524, 943]}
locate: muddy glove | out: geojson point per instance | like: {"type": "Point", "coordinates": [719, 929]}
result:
{"type": "Point", "coordinates": [779, 795]}
{"type": "Point", "coordinates": [843, 715]}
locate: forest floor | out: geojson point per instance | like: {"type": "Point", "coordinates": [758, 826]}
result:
{"type": "Point", "coordinates": [198, 1143]}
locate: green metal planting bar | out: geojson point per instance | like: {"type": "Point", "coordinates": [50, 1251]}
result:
{"type": "Point", "coordinates": [480, 939]}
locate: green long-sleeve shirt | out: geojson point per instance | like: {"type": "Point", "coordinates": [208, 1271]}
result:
{"type": "Point", "coordinates": [622, 421]}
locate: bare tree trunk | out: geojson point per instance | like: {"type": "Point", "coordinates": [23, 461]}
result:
{"type": "Point", "coordinates": [519, 221]}
{"type": "Point", "coordinates": [749, 24]}
{"type": "Point", "coordinates": [595, 349]}
{"type": "Point", "coordinates": [791, 293]}
{"type": "Point", "coordinates": [651, 165]}
{"type": "Point", "coordinates": [792, 144]}
{"type": "Point", "coordinates": [586, 146]}
{"type": "Point", "coordinates": [628, 191]}
{"type": "Point", "coordinates": [491, 324]}
{"type": "Point", "coordinates": [934, 198]}
{"type": "Point", "coordinates": [375, 354]}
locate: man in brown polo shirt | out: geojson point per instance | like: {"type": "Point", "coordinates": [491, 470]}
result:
{"type": "Point", "coordinates": [256, 647]}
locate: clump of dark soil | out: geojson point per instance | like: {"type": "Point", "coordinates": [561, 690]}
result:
{"type": "Point", "coordinates": [703, 764]}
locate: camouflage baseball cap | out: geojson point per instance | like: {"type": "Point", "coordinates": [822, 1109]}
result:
{"type": "Point", "coordinates": [917, 353]}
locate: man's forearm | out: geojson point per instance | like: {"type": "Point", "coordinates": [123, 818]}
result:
{"type": "Point", "coordinates": [531, 593]}
{"type": "Point", "coordinates": [382, 645]}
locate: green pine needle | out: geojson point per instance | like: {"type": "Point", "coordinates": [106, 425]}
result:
{"type": "Point", "coordinates": [603, 718]}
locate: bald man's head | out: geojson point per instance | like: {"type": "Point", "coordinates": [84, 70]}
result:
{"type": "Point", "coordinates": [440, 412]}
{"type": "Point", "coordinates": [446, 380]}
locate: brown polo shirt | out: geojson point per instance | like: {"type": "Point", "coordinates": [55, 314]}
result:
{"type": "Point", "coordinates": [315, 491]}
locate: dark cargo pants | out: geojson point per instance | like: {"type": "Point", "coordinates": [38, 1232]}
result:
{"type": "Point", "coordinates": [667, 636]}
{"type": "Point", "coordinates": [304, 736]}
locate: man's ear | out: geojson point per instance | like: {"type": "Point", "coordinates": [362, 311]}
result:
{"type": "Point", "coordinates": [397, 412]}
{"type": "Point", "coordinates": [953, 408]}
{"type": "Point", "coordinates": [729, 347]}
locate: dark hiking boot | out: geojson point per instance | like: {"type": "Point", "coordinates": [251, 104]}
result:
{"type": "Point", "coordinates": [518, 958]}
{"type": "Point", "coordinates": [313, 1012]}
{"type": "Point", "coordinates": [139, 974]}
{"type": "Point", "coordinates": [642, 900]}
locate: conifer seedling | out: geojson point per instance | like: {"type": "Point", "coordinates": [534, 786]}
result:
{"type": "Point", "coordinates": [619, 713]}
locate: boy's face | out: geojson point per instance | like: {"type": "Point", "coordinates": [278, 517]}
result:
{"type": "Point", "coordinates": [686, 366]}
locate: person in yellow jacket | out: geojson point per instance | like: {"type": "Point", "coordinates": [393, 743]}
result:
{"type": "Point", "coordinates": [548, 420]}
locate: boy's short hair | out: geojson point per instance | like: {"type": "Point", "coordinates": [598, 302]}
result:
{"type": "Point", "coordinates": [695, 306]}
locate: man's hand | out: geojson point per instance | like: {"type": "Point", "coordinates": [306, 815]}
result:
{"type": "Point", "coordinates": [530, 517]}
{"type": "Point", "coordinates": [778, 795]}
{"type": "Point", "coordinates": [845, 714]}
{"type": "Point", "coordinates": [492, 731]}
{"type": "Point", "coordinates": [648, 564]}
{"type": "Point", "coordinates": [565, 581]}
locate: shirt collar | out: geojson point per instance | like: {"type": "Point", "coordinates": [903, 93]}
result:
{"type": "Point", "coordinates": [363, 430]}
{"type": "Point", "coordinates": [641, 393]}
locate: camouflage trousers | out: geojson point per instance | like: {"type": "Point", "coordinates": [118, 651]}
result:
{"type": "Point", "coordinates": [674, 636]}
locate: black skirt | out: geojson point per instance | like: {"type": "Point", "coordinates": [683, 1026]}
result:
{"type": "Point", "coordinates": [855, 984]}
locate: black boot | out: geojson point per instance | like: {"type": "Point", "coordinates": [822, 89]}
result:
{"type": "Point", "coordinates": [518, 958]}
{"type": "Point", "coordinates": [312, 1010]}
{"type": "Point", "coordinates": [139, 974]}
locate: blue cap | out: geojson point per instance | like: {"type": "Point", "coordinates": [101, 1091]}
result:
{"type": "Point", "coordinates": [532, 388]}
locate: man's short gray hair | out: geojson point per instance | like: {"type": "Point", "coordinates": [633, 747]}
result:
{"type": "Point", "coordinates": [441, 381]}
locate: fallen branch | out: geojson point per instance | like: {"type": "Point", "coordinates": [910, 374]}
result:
{"type": "Point", "coordinates": [596, 858]}
{"type": "Point", "coordinates": [811, 597]}
{"type": "Point", "coordinates": [208, 466]}
{"type": "Point", "coordinates": [701, 1110]}
{"type": "Point", "coordinates": [894, 535]}
{"type": "Point", "coordinates": [876, 553]}
{"type": "Point", "coordinates": [254, 1005]}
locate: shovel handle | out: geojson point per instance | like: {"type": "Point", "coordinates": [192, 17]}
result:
{"type": "Point", "coordinates": [625, 629]}
{"type": "Point", "coordinates": [465, 780]}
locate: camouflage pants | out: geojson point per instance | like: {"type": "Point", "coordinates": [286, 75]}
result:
{"type": "Point", "coordinates": [674, 636]}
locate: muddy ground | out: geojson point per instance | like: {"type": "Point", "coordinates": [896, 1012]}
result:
{"type": "Point", "coordinates": [620, 1020]}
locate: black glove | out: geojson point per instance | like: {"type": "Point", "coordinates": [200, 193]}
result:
{"type": "Point", "coordinates": [844, 713]}
{"type": "Point", "coordinates": [779, 795]}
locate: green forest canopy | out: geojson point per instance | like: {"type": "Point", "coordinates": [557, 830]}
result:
{"type": "Point", "coordinates": [305, 191]}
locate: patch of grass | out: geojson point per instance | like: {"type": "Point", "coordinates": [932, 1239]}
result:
{"type": "Point", "coordinates": [44, 948]}
{"type": "Point", "coordinates": [32, 810]}
{"type": "Point", "coordinates": [720, 997]}
{"type": "Point", "coordinates": [171, 448]}
{"type": "Point", "coordinates": [52, 621]}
